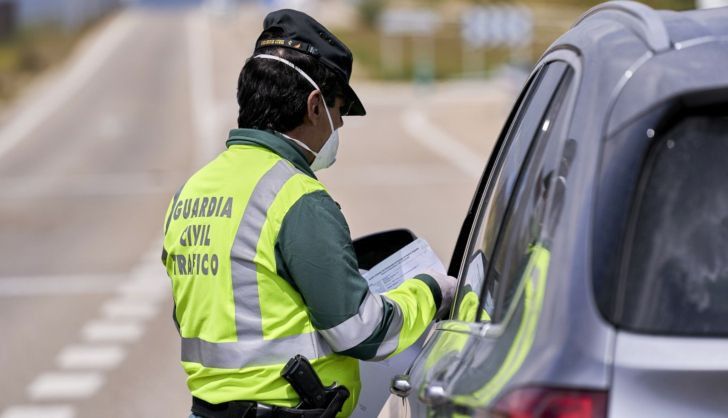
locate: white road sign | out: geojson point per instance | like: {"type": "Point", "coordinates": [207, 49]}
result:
{"type": "Point", "coordinates": [483, 26]}
{"type": "Point", "coordinates": [409, 22]}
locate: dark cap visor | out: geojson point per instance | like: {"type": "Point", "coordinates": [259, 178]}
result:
{"type": "Point", "coordinates": [356, 108]}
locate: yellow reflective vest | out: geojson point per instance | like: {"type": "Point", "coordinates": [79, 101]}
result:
{"type": "Point", "coordinates": [239, 319]}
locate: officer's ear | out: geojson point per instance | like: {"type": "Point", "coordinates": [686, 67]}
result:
{"type": "Point", "coordinates": [314, 107]}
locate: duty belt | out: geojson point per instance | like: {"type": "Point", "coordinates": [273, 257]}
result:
{"type": "Point", "coordinates": [249, 409]}
{"type": "Point", "coordinates": [316, 399]}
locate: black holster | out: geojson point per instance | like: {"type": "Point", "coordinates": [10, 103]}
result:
{"type": "Point", "coordinates": [313, 394]}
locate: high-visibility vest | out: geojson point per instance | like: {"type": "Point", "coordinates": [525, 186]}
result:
{"type": "Point", "coordinates": [239, 321]}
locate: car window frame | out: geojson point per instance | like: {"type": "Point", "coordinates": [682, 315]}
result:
{"type": "Point", "coordinates": [458, 258]}
{"type": "Point", "coordinates": [489, 180]}
{"type": "Point", "coordinates": [532, 165]}
{"type": "Point", "coordinates": [490, 177]}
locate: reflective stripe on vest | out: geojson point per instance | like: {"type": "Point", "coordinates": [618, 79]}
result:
{"type": "Point", "coordinates": [251, 348]}
{"type": "Point", "coordinates": [391, 339]}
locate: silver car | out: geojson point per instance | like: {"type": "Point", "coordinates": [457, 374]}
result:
{"type": "Point", "coordinates": [593, 262]}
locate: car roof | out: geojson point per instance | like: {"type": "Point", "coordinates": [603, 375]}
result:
{"type": "Point", "coordinates": [635, 57]}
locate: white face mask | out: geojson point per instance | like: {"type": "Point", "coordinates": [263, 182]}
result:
{"type": "Point", "coordinates": [326, 156]}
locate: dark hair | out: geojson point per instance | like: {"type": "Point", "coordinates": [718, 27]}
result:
{"type": "Point", "coordinates": [272, 95]}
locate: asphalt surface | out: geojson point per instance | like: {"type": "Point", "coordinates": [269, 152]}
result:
{"type": "Point", "coordinates": [90, 157]}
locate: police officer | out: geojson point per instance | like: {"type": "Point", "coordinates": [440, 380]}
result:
{"type": "Point", "coordinates": [260, 255]}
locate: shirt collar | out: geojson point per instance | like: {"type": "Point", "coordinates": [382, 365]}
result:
{"type": "Point", "coordinates": [272, 141]}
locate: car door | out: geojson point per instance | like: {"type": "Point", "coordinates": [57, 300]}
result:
{"type": "Point", "coordinates": [506, 221]}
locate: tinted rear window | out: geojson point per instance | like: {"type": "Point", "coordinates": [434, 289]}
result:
{"type": "Point", "coordinates": [675, 265]}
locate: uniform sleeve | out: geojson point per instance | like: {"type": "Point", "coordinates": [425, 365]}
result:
{"type": "Point", "coordinates": [315, 253]}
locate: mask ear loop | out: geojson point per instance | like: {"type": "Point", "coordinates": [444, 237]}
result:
{"type": "Point", "coordinates": [290, 64]}
{"type": "Point", "coordinates": [303, 73]}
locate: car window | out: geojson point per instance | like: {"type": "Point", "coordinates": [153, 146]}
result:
{"type": "Point", "coordinates": [674, 269]}
{"type": "Point", "coordinates": [523, 226]}
{"type": "Point", "coordinates": [526, 126]}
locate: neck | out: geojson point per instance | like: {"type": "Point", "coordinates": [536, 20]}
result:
{"type": "Point", "coordinates": [301, 133]}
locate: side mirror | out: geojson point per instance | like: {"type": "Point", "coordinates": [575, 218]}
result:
{"type": "Point", "coordinates": [374, 248]}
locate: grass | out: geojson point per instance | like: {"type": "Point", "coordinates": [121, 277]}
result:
{"type": "Point", "coordinates": [446, 54]}
{"type": "Point", "coordinates": [31, 51]}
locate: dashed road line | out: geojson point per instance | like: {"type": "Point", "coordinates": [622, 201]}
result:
{"type": "Point", "coordinates": [39, 411]}
{"type": "Point", "coordinates": [103, 357]}
{"type": "Point", "coordinates": [127, 308]}
{"type": "Point", "coordinates": [58, 285]}
{"type": "Point", "coordinates": [65, 385]}
{"type": "Point", "coordinates": [98, 185]}
{"type": "Point", "coordinates": [82, 366]}
{"type": "Point", "coordinates": [144, 289]}
{"type": "Point", "coordinates": [105, 331]}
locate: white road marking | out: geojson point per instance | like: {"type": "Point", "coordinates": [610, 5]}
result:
{"type": "Point", "coordinates": [144, 290]}
{"type": "Point", "coordinates": [58, 285]}
{"type": "Point", "coordinates": [58, 92]}
{"type": "Point", "coordinates": [150, 270]}
{"type": "Point", "coordinates": [96, 353]}
{"type": "Point", "coordinates": [201, 86]}
{"type": "Point", "coordinates": [64, 385]}
{"type": "Point", "coordinates": [443, 144]}
{"type": "Point", "coordinates": [129, 308]}
{"type": "Point", "coordinates": [124, 184]}
{"type": "Point", "coordinates": [39, 411]}
{"type": "Point", "coordinates": [90, 357]}
{"type": "Point", "coordinates": [112, 331]}
{"type": "Point", "coordinates": [28, 116]}
{"type": "Point", "coordinates": [149, 279]}
{"type": "Point", "coordinates": [98, 185]}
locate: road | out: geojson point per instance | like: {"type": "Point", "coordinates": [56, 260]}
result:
{"type": "Point", "coordinates": [90, 157]}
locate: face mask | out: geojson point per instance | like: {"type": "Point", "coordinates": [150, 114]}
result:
{"type": "Point", "coordinates": [326, 156]}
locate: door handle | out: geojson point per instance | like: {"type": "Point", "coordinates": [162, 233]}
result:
{"type": "Point", "coordinates": [434, 395]}
{"type": "Point", "coordinates": [400, 386]}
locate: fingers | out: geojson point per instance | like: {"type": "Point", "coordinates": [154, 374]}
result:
{"type": "Point", "coordinates": [448, 285]}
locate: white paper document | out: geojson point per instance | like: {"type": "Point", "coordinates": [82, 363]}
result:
{"type": "Point", "coordinates": [414, 258]}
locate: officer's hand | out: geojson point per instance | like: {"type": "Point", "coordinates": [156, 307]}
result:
{"type": "Point", "coordinates": [447, 286]}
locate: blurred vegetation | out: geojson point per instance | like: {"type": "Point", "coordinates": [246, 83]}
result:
{"type": "Point", "coordinates": [448, 51]}
{"type": "Point", "coordinates": [369, 12]}
{"type": "Point", "coordinates": [551, 19]}
{"type": "Point", "coordinates": [30, 51]}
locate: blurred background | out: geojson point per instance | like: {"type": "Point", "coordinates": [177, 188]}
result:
{"type": "Point", "coordinates": [107, 106]}
{"type": "Point", "coordinates": [391, 39]}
